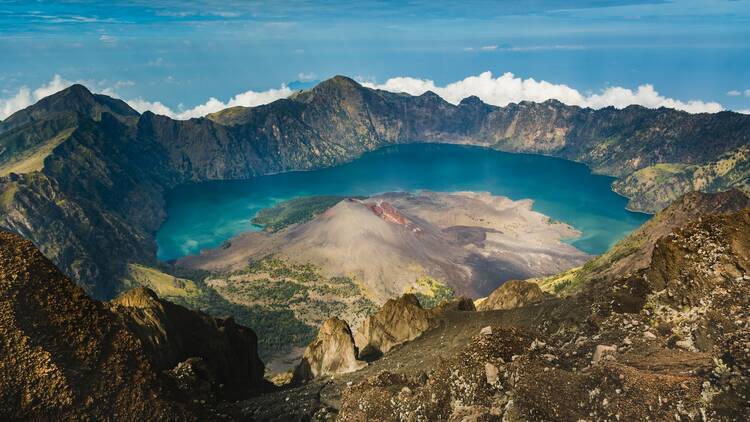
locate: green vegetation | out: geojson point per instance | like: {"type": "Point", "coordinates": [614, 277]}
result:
{"type": "Point", "coordinates": [276, 327]}
{"type": "Point", "coordinates": [6, 197]}
{"type": "Point", "coordinates": [277, 268]}
{"type": "Point", "coordinates": [278, 293]}
{"type": "Point", "coordinates": [165, 285]}
{"type": "Point", "coordinates": [431, 292]}
{"type": "Point", "coordinates": [294, 296]}
{"type": "Point", "coordinates": [294, 211]}
{"type": "Point", "coordinates": [280, 282]}
{"type": "Point", "coordinates": [564, 283]}
{"type": "Point", "coordinates": [32, 158]}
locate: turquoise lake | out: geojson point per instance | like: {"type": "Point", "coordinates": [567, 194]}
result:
{"type": "Point", "coordinates": [205, 215]}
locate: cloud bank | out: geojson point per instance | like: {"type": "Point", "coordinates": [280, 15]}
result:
{"type": "Point", "coordinates": [26, 97]}
{"type": "Point", "coordinates": [507, 88]}
{"type": "Point", "coordinates": [245, 99]}
{"type": "Point", "coordinates": [502, 90]}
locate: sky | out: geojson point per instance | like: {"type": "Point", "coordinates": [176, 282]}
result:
{"type": "Point", "coordinates": [189, 58]}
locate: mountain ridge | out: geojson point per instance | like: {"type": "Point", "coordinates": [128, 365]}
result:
{"type": "Point", "coordinates": [112, 172]}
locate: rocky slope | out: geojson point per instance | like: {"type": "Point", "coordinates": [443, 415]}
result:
{"type": "Point", "coordinates": [666, 342]}
{"type": "Point", "coordinates": [68, 356]}
{"type": "Point", "coordinates": [634, 252]}
{"type": "Point", "coordinates": [97, 192]}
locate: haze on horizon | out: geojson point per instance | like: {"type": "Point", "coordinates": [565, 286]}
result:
{"type": "Point", "coordinates": [186, 59]}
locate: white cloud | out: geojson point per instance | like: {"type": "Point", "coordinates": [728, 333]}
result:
{"type": "Point", "coordinates": [734, 93]}
{"type": "Point", "coordinates": [26, 97]}
{"type": "Point", "coordinates": [245, 99]}
{"type": "Point", "coordinates": [141, 105]}
{"type": "Point", "coordinates": [488, 48]}
{"type": "Point", "coordinates": [747, 92]}
{"type": "Point", "coordinates": [744, 111]}
{"type": "Point", "coordinates": [306, 77]}
{"type": "Point", "coordinates": [108, 39]}
{"type": "Point", "coordinates": [500, 91]}
{"type": "Point", "coordinates": [508, 88]}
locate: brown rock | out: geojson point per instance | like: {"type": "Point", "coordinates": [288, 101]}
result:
{"type": "Point", "coordinates": [65, 356]}
{"type": "Point", "coordinates": [601, 351]}
{"type": "Point", "coordinates": [332, 352]}
{"type": "Point", "coordinates": [399, 320]}
{"type": "Point", "coordinates": [459, 304]}
{"type": "Point", "coordinates": [171, 334]}
{"type": "Point", "coordinates": [513, 294]}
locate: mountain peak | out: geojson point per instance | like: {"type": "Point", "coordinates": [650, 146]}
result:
{"type": "Point", "coordinates": [337, 82]}
{"type": "Point", "coordinates": [471, 100]}
{"type": "Point", "coordinates": [75, 99]}
{"type": "Point", "coordinates": [342, 80]}
{"type": "Point", "coordinates": [77, 89]}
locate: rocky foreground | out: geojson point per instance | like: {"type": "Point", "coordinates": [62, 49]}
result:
{"type": "Point", "coordinates": [667, 340]}
{"type": "Point", "coordinates": [670, 341]}
{"type": "Point", "coordinates": [67, 357]}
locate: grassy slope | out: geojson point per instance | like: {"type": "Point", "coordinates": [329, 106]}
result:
{"type": "Point", "coordinates": [654, 187]}
{"type": "Point", "coordinates": [431, 292]}
{"type": "Point", "coordinates": [277, 328]}
{"type": "Point", "coordinates": [32, 159]}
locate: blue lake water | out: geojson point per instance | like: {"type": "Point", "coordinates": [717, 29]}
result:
{"type": "Point", "coordinates": [205, 215]}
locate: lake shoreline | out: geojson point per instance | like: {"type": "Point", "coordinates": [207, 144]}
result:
{"type": "Point", "coordinates": [482, 154]}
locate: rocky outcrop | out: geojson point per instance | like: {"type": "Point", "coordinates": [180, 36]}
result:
{"type": "Point", "coordinates": [635, 251]}
{"type": "Point", "coordinates": [655, 187]}
{"type": "Point", "coordinates": [513, 294]}
{"type": "Point", "coordinates": [388, 213]}
{"type": "Point", "coordinates": [171, 334]}
{"type": "Point", "coordinates": [333, 352]}
{"type": "Point", "coordinates": [397, 321]}
{"type": "Point", "coordinates": [461, 303]}
{"type": "Point", "coordinates": [66, 356]}
{"type": "Point", "coordinates": [667, 342]}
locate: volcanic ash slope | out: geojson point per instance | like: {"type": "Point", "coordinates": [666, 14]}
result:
{"type": "Point", "coordinates": [471, 241]}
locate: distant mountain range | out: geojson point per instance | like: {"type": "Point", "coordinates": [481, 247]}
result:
{"type": "Point", "coordinates": [83, 176]}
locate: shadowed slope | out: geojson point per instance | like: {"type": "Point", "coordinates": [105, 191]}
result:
{"type": "Point", "coordinates": [67, 356]}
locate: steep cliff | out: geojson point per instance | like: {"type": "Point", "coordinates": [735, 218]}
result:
{"type": "Point", "coordinates": [634, 252]}
{"type": "Point", "coordinates": [66, 356]}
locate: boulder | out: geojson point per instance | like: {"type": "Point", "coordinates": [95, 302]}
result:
{"type": "Point", "coordinates": [333, 352]}
{"type": "Point", "coordinates": [513, 294]}
{"type": "Point", "coordinates": [398, 321]}
{"type": "Point", "coordinates": [194, 378]}
{"type": "Point", "coordinates": [459, 304]}
{"type": "Point", "coordinates": [602, 351]}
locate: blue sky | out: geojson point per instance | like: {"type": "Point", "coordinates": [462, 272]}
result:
{"type": "Point", "coordinates": [181, 53]}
